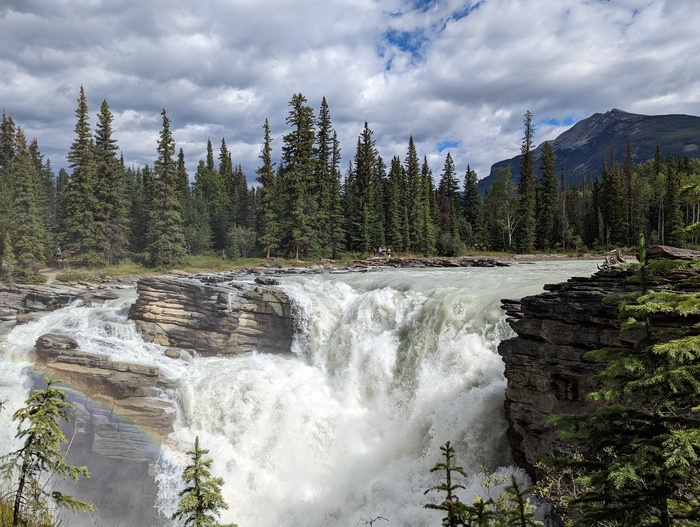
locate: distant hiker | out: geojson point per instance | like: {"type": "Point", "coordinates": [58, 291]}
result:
{"type": "Point", "coordinates": [57, 254]}
{"type": "Point", "coordinates": [388, 252]}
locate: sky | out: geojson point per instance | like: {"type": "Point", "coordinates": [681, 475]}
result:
{"type": "Point", "coordinates": [458, 76]}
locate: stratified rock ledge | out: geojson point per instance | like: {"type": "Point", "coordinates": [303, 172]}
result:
{"type": "Point", "coordinates": [213, 318]}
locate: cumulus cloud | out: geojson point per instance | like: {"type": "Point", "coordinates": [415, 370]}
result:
{"type": "Point", "coordinates": [456, 75]}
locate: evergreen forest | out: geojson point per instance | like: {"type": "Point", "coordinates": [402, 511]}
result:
{"type": "Point", "coordinates": [313, 203]}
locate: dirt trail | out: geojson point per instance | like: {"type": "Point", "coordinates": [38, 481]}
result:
{"type": "Point", "coordinates": [50, 273]}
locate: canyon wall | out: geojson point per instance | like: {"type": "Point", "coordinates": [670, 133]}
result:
{"type": "Point", "coordinates": [546, 368]}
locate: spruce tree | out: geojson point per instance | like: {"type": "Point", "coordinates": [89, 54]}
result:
{"type": "Point", "coordinates": [612, 208]}
{"type": "Point", "coordinates": [85, 232]}
{"type": "Point", "coordinates": [298, 169]}
{"type": "Point", "coordinates": [377, 214]}
{"type": "Point", "coordinates": [640, 462]}
{"type": "Point", "coordinates": [201, 500]}
{"type": "Point", "coordinates": [415, 199]}
{"type": "Point", "coordinates": [40, 455]}
{"type": "Point", "coordinates": [527, 191]}
{"type": "Point", "coordinates": [430, 215]}
{"type": "Point", "coordinates": [28, 236]}
{"type": "Point", "coordinates": [166, 239]}
{"type": "Point", "coordinates": [7, 151]}
{"type": "Point", "coordinates": [448, 197]}
{"type": "Point", "coordinates": [111, 188]}
{"type": "Point", "coordinates": [395, 205]}
{"type": "Point", "coordinates": [472, 202]}
{"type": "Point", "coordinates": [141, 199]}
{"type": "Point", "coordinates": [365, 188]}
{"type": "Point", "coordinates": [450, 504]}
{"type": "Point", "coordinates": [45, 184]}
{"type": "Point", "coordinates": [325, 174]}
{"type": "Point", "coordinates": [268, 225]}
{"type": "Point", "coordinates": [211, 187]}
{"type": "Point", "coordinates": [547, 200]}
{"type": "Point", "coordinates": [500, 211]}
{"type": "Point", "coordinates": [337, 216]}
{"type": "Point", "coordinates": [673, 221]}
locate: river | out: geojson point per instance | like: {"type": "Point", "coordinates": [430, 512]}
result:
{"type": "Point", "coordinates": [385, 368]}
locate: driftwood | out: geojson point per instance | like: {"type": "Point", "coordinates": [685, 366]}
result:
{"type": "Point", "coordinates": [612, 260]}
{"type": "Point", "coordinates": [658, 252]}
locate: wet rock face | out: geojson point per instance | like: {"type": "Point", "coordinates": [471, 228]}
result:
{"type": "Point", "coordinates": [545, 365]}
{"type": "Point", "coordinates": [213, 319]}
{"type": "Point", "coordinates": [118, 388]}
{"type": "Point", "coordinates": [116, 428]}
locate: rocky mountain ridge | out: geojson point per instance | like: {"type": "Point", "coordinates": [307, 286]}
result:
{"type": "Point", "coordinates": [582, 148]}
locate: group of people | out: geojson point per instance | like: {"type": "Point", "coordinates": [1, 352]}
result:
{"type": "Point", "coordinates": [382, 251]}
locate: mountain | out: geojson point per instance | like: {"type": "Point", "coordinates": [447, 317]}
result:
{"type": "Point", "coordinates": [583, 147]}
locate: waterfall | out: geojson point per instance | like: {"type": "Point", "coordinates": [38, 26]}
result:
{"type": "Point", "coordinates": [385, 368]}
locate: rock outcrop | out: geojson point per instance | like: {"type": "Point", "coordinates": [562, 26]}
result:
{"type": "Point", "coordinates": [213, 318]}
{"type": "Point", "coordinates": [18, 299]}
{"type": "Point", "coordinates": [119, 388]}
{"type": "Point", "coordinates": [116, 430]}
{"type": "Point", "coordinates": [545, 364]}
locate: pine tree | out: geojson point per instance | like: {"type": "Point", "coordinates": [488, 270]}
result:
{"type": "Point", "coordinates": [268, 225]}
{"type": "Point", "coordinates": [111, 188]}
{"type": "Point", "coordinates": [41, 454]}
{"type": "Point", "coordinates": [85, 232]}
{"type": "Point", "coordinates": [298, 168]}
{"type": "Point", "coordinates": [166, 239]}
{"type": "Point", "coordinates": [547, 200]}
{"type": "Point", "coordinates": [201, 500]}
{"type": "Point", "coordinates": [527, 191]}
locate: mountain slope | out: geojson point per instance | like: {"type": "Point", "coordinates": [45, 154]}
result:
{"type": "Point", "coordinates": [583, 147]}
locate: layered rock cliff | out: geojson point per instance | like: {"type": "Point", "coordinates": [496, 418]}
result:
{"type": "Point", "coordinates": [546, 368]}
{"type": "Point", "coordinates": [213, 318]}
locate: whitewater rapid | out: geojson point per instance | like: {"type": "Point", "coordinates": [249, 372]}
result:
{"type": "Point", "coordinates": [385, 368]}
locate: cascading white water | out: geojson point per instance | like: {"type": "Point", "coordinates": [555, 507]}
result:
{"type": "Point", "coordinates": [385, 368]}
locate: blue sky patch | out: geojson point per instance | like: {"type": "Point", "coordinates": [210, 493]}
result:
{"type": "Point", "coordinates": [410, 41]}
{"type": "Point", "coordinates": [567, 121]}
{"type": "Point", "coordinates": [446, 145]}
{"type": "Point", "coordinates": [468, 10]}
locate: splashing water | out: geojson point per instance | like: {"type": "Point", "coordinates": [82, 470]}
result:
{"type": "Point", "coordinates": [385, 368]}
